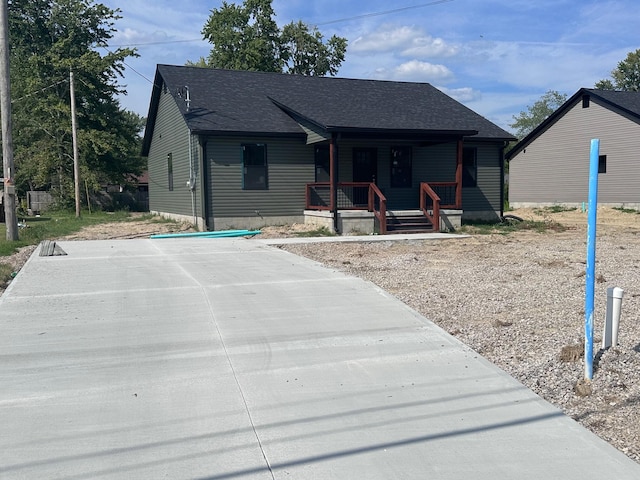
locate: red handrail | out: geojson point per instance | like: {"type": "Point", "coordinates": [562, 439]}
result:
{"type": "Point", "coordinates": [381, 213]}
{"type": "Point", "coordinates": [434, 218]}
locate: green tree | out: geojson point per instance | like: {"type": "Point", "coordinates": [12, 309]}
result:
{"type": "Point", "coordinates": [247, 37]}
{"type": "Point", "coordinates": [625, 77]}
{"type": "Point", "coordinates": [49, 39]}
{"type": "Point", "coordinates": [305, 52]}
{"type": "Point", "coordinates": [525, 122]}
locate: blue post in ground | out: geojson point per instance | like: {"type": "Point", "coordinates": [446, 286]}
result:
{"type": "Point", "coordinates": [591, 258]}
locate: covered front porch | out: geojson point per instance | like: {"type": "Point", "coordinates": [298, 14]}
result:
{"type": "Point", "coordinates": [394, 188]}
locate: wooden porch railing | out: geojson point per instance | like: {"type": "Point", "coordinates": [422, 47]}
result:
{"type": "Point", "coordinates": [377, 198]}
{"type": "Point", "coordinates": [367, 196]}
{"type": "Point", "coordinates": [351, 196]}
{"type": "Point", "coordinates": [430, 205]}
{"type": "Point", "coordinates": [450, 194]}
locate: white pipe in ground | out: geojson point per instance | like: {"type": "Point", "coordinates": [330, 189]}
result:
{"type": "Point", "coordinates": [612, 321]}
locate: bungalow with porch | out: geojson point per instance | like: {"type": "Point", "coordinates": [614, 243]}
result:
{"type": "Point", "coordinates": [236, 149]}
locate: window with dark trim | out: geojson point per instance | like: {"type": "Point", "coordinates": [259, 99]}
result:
{"type": "Point", "coordinates": [401, 168]}
{"type": "Point", "coordinates": [170, 171]}
{"type": "Point", "coordinates": [254, 167]}
{"type": "Point", "coordinates": [602, 164]}
{"type": "Point", "coordinates": [469, 167]}
{"type": "Point", "coordinates": [322, 159]}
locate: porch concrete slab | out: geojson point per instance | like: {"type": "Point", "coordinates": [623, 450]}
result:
{"type": "Point", "coordinates": [227, 358]}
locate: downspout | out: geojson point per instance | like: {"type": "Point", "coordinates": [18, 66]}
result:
{"type": "Point", "coordinates": [504, 145]}
{"type": "Point", "coordinates": [333, 182]}
{"type": "Point", "coordinates": [203, 191]}
{"type": "Point", "coordinates": [459, 173]}
{"type": "Point", "coordinates": [191, 184]}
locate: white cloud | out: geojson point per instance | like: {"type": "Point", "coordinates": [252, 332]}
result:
{"type": "Point", "coordinates": [384, 39]}
{"type": "Point", "coordinates": [407, 41]}
{"type": "Point", "coordinates": [463, 95]}
{"type": "Point", "coordinates": [427, 46]}
{"type": "Point", "coordinates": [418, 71]}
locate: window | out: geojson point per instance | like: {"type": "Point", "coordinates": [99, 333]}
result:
{"type": "Point", "coordinates": [254, 167]}
{"type": "Point", "coordinates": [400, 167]}
{"type": "Point", "coordinates": [170, 171]}
{"type": "Point", "coordinates": [323, 168]}
{"type": "Point", "coordinates": [469, 167]}
{"type": "Point", "coordinates": [602, 164]}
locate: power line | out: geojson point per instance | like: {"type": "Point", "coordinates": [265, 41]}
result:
{"type": "Point", "coordinates": [385, 12]}
{"type": "Point", "coordinates": [39, 91]}
{"type": "Point", "coordinates": [330, 22]}
{"type": "Point", "coordinates": [129, 66]}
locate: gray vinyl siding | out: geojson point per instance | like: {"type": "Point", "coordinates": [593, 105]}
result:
{"type": "Point", "coordinates": [290, 168]}
{"type": "Point", "coordinates": [554, 168]}
{"type": "Point", "coordinates": [315, 134]}
{"type": "Point", "coordinates": [171, 136]}
{"type": "Point", "coordinates": [486, 196]}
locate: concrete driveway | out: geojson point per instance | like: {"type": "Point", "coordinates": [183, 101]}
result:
{"type": "Point", "coordinates": [228, 358]}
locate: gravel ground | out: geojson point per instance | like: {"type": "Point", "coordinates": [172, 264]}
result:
{"type": "Point", "coordinates": [519, 300]}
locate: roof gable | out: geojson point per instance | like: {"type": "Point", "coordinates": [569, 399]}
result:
{"type": "Point", "coordinates": [618, 101]}
{"type": "Point", "coordinates": [241, 102]}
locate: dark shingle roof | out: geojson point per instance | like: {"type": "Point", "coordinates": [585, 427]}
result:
{"type": "Point", "coordinates": [628, 102]}
{"type": "Point", "coordinates": [240, 102]}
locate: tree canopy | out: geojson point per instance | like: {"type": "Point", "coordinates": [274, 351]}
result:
{"type": "Point", "coordinates": [625, 77]}
{"type": "Point", "coordinates": [525, 122]}
{"type": "Point", "coordinates": [48, 40]}
{"type": "Point", "coordinates": [247, 37]}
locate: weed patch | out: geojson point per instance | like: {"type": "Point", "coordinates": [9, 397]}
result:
{"type": "Point", "coordinates": [626, 210]}
{"type": "Point", "coordinates": [318, 232]}
{"type": "Point", "coordinates": [504, 228]}
{"type": "Point", "coordinates": [554, 209]}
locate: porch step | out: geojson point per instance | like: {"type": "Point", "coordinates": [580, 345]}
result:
{"type": "Point", "coordinates": [408, 224]}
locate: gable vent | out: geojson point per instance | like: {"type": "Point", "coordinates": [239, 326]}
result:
{"type": "Point", "coordinates": [586, 99]}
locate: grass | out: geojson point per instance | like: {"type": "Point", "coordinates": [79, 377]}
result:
{"type": "Point", "coordinates": [318, 232]}
{"type": "Point", "coordinates": [626, 210]}
{"type": "Point", "coordinates": [6, 273]}
{"type": "Point", "coordinates": [555, 209]}
{"type": "Point", "coordinates": [504, 228]}
{"type": "Point", "coordinates": [32, 230]}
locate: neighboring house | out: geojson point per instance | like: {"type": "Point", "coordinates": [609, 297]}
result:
{"type": "Point", "coordinates": [551, 164]}
{"type": "Point", "coordinates": [235, 149]}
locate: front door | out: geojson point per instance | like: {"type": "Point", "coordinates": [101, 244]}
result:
{"type": "Point", "coordinates": [365, 165]}
{"type": "Point", "coordinates": [365, 169]}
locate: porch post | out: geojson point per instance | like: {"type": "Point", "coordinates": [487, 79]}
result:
{"type": "Point", "coordinates": [333, 182]}
{"type": "Point", "coordinates": [459, 174]}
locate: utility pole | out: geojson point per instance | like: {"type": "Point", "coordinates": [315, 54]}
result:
{"type": "Point", "coordinates": [7, 140]}
{"type": "Point", "coordinates": [74, 135]}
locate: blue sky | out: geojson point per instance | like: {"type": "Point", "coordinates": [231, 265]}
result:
{"type": "Point", "coordinates": [495, 56]}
